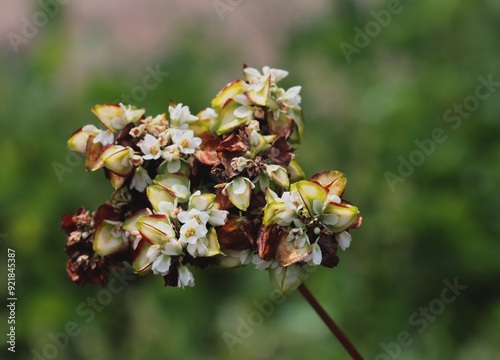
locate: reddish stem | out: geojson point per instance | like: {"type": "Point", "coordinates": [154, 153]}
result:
{"type": "Point", "coordinates": [339, 334]}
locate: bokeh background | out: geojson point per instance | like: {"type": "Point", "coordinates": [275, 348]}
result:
{"type": "Point", "coordinates": [362, 114]}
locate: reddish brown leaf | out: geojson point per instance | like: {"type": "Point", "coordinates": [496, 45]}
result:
{"type": "Point", "coordinates": [231, 236]}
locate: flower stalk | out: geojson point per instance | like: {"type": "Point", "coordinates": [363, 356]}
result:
{"type": "Point", "coordinates": [334, 328]}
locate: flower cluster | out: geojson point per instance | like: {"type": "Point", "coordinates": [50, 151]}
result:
{"type": "Point", "coordinates": [218, 188]}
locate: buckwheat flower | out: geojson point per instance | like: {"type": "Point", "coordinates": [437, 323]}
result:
{"type": "Point", "coordinates": [161, 256]}
{"type": "Point", "coordinates": [185, 277]}
{"type": "Point", "coordinates": [141, 179]}
{"type": "Point", "coordinates": [291, 97]}
{"type": "Point", "coordinates": [319, 211]}
{"type": "Point", "coordinates": [172, 153]}
{"type": "Point", "coordinates": [254, 125]}
{"type": "Point", "coordinates": [209, 114]}
{"type": "Point", "coordinates": [293, 205]}
{"type": "Point", "coordinates": [333, 198]}
{"type": "Point", "coordinates": [217, 217]}
{"type": "Point", "coordinates": [246, 109]}
{"type": "Point", "coordinates": [235, 258]}
{"type": "Point", "coordinates": [239, 192]}
{"type": "Point", "coordinates": [186, 141]}
{"type": "Point", "coordinates": [337, 217]}
{"type": "Point", "coordinates": [261, 264]}
{"type": "Point", "coordinates": [109, 238]}
{"type": "Point", "coordinates": [198, 248]}
{"type": "Point", "coordinates": [343, 239]}
{"type": "Point", "coordinates": [205, 204]}
{"type": "Point", "coordinates": [199, 216]}
{"type": "Point", "coordinates": [150, 147]}
{"type": "Point", "coordinates": [278, 175]}
{"type": "Point", "coordinates": [298, 237]}
{"type": "Point", "coordinates": [181, 192]}
{"type": "Point", "coordinates": [116, 117]}
{"type": "Point", "coordinates": [256, 81]}
{"type": "Point", "coordinates": [315, 257]}
{"type": "Point", "coordinates": [130, 114]}
{"type": "Point", "coordinates": [240, 163]}
{"type": "Point", "coordinates": [105, 137]}
{"type": "Point", "coordinates": [276, 74]}
{"type": "Point", "coordinates": [168, 208]}
{"type": "Point", "coordinates": [191, 231]}
{"type": "Point", "coordinates": [180, 116]}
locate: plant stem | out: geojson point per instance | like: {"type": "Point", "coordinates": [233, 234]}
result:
{"type": "Point", "coordinates": [339, 334]}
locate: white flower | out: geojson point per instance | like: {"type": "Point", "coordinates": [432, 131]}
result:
{"type": "Point", "coordinates": [235, 258]}
{"type": "Point", "coordinates": [91, 130]}
{"type": "Point", "coordinates": [191, 231]}
{"type": "Point", "coordinates": [161, 256]}
{"type": "Point", "coordinates": [343, 239]}
{"type": "Point", "coordinates": [130, 114]}
{"type": "Point", "coordinates": [199, 216]}
{"type": "Point", "coordinates": [299, 238]}
{"type": "Point", "coordinates": [276, 74]}
{"type": "Point", "coordinates": [315, 257]}
{"type": "Point", "coordinates": [319, 208]}
{"type": "Point", "coordinates": [209, 114]}
{"type": "Point", "coordinates": [171, 153]}
{"type": "Point", "coordinates": [239, 192]}
{"type": "Point", "coordinates": [180, 191]}
{"type": "Point", "coordinates": [256, 81]}
{"type": "Point", "coordinates": [150, 147]}
{"type": "Point", "coordinates": [217, 217]}
{"type": "Point", "coordinates": [293, 204]}
{"type": "Point", "coordinates": [240, 163]}
{"type": "Point", "coordinates": [291, 97]}
{"type": "Point", "coordinates": [185, 277]}
{"type": "Point", "coordinates": [245, 110]}
{"type": "Point", "coordinates": [333, 198]}
{"type": "Point", "coordinates": [167, 208]}
{"type": "Point", "coordinates": [185, 141]}
{"type": "Point", "coordinates": [278, 174]}
{"type": "Point", "coordinates": [261, 264]}
{"type": "Point", "coordinates": [140, 180]}
{"type": "Point", "coordinates": [180, 116]}
{"type": "Point", "coordinates": [105, 137]}
{"type": "Point", "coordinates": [198, 248]}
{"type": "Point", "coordinates": [204, 209]}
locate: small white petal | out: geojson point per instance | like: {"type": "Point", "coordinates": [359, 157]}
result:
{"type": "Point", "coordinates": [344, 240]}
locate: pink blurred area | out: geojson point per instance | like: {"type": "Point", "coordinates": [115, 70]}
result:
{"type": "Point", "coordinates": [100, 34]}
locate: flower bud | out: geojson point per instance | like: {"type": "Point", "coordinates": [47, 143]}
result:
{"type": "Point", "coordinates": [239, 192]}
{"type": "Point", "coordinates": [157, 194]}
{"type": "Point", "coordinates": [109, 238]}
{"type": "Point", "coordinates": [117, 159]}
{"type": "Point", "coordinates": [278, 175]}
{"type": "Point", "coordinates": [155, 229]}
{"type": "Point", "coordinates": [227, 122]}
{"type": "Point", "coordinates": [333, 181]}
{"type": "Point", "coordinates": [227, 93]}
{"type": "Point", "coordinates": [78, 141]}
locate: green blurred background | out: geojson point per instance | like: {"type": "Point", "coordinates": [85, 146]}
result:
{"type": "Point", "coordinates": [440, 223]}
